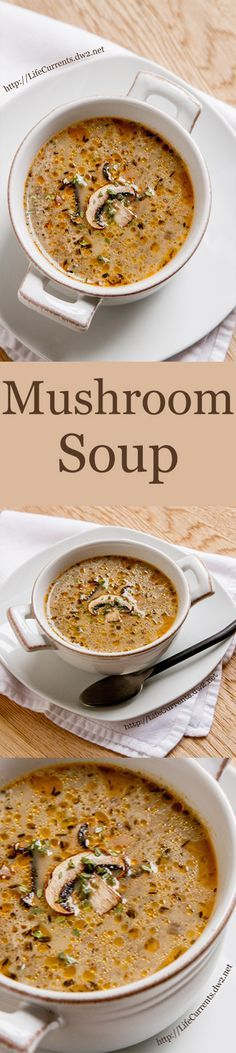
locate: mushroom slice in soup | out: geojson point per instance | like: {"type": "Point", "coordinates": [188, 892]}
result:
{"type": "Point", "coordinates": [104, 196]}
{"type": "Point", "coordinates": [103, 896]}
{"type": "Point", "coordinates": [123, 215]}
{"type": "Point", "coordinates": [109, 601]}
{"type": "Point", "coordinates": [78, 183]}
{"type": "Point", "coordinates": [89, 873]}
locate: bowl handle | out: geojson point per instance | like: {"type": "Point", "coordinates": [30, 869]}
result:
{"type": "Point", "coordinates": [188, 108]}
{"type": "Point", "coordinates": [28, 635]}
{"type": "Point", "coordinates": [23, 1030]}
{"type": "Point", "coordinates": [37, 292]}
{"type": "Point", "coordinates": [200, 583]}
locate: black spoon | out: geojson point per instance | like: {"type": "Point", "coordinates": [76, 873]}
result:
{"type": "Point", "coordinates": [113, 690]}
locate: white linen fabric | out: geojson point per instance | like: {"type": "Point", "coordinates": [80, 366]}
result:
{"type": "Point", "coordinates": [30, 41]}
{"type": "Point", "coordinates": [22, 535]}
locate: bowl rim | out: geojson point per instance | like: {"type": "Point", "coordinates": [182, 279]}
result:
{"type": "Point", "coordinates": [164, 976]}
{"type": "Point", "coordinates": [47, 267]}
{"type": "Point", "coordinates": [88, 652]}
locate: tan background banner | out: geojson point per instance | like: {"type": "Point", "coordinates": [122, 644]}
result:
{"type": "Point", "coordinates": [129, 434]}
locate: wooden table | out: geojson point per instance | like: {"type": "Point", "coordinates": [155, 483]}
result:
{"type": "Point", "coordinates": [194, 38]}
{"type": "Point", "coordinates": [25, 734]}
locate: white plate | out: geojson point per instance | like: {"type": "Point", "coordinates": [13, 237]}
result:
{"type": "Point", "coordinates": [57, 682]}
{"type": "Point", "coordinates": [180, 313]}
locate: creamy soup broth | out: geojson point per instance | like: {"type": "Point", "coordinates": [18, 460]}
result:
{"type": "Point", "coordinates": [112, 603]}
{"type": "Point", "coordinates": [163, 896]}
{"type": "Point", "coordinates": [140, 216]}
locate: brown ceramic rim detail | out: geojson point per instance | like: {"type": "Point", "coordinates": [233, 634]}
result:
{"type": "Point", "coordinates": [19, 635]}
{"type": "Point", "coordinates": [223, 766]}
{"type": "Point", "coordinates": [211, 589]}
{"type": "Point", "coordinates": [60, 318]}
{"type": "Point", "coordinates": [114, 995]}
{"type": "Point", "coordinates": [16, 629]}
{"type": "Point", "coordinates": [161, 76]}
{"type": "Point", "coordinates": [102, 291]}
{"type": "Point", "coordinates": [38, 1035]}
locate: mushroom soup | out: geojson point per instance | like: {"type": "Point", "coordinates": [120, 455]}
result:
{"type": "Point", "coordinates": [105, 877]}
{"type": "Point", "coordinates": [109, 201]}
{"type": "Point", "coordinates": [111, 603]}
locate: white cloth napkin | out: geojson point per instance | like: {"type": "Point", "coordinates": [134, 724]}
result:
{"type": "Point", "coordinates": [29, 41]}
{"type": "Point", "coordinates": [22, 535]}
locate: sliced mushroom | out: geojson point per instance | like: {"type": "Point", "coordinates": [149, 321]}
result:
{"type": "Point", "coordinates": [103, 896]}
{"type": "Point", "coordinates": [78, 184]}
{"type": "Point", "coordinates": [109, 601]}
{"type": "Point", "coordinates": [60, 888]}
{"type": "Point", "coordinates": [95, 207]}
{"type": "Point", "coordinates": [98, 200]}
{"type": "Point", "coordinates": [100, 601]}
{"type": "Point", "coordinates": [131, 599]}
{"type": "Point", "coordinates": [123, 215]}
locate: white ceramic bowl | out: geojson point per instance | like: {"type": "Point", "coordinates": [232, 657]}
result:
{"type": "Point", "coordinates": [188, 575]}
{"type": "Point", "coordinates": [72, 302]}
{"type": "Point", "coordinates": [110, 1020]}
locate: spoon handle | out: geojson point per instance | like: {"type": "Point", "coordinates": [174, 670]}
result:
{"type": "Point", "coordinates": [189, 652]}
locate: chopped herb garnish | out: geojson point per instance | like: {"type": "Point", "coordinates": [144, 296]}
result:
{"type": "Point", "coordinates": [38, 935]}
{"type": "Point", "coordinates": [42, 846]}
{"type": "Point", "coordinates": [89, 867]}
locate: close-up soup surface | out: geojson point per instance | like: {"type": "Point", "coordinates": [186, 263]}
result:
{"type": "Point", "coordinates": [105, 877]}
{"type": "Point", "coordinates": [111, 603]}
{"type": "Point", "coordinates": [109, 201]}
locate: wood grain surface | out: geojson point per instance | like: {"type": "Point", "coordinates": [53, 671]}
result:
{"type": "Point", "coordinates": [209, 529]}
{"type": "Point", "coordinates": [194, 38]}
